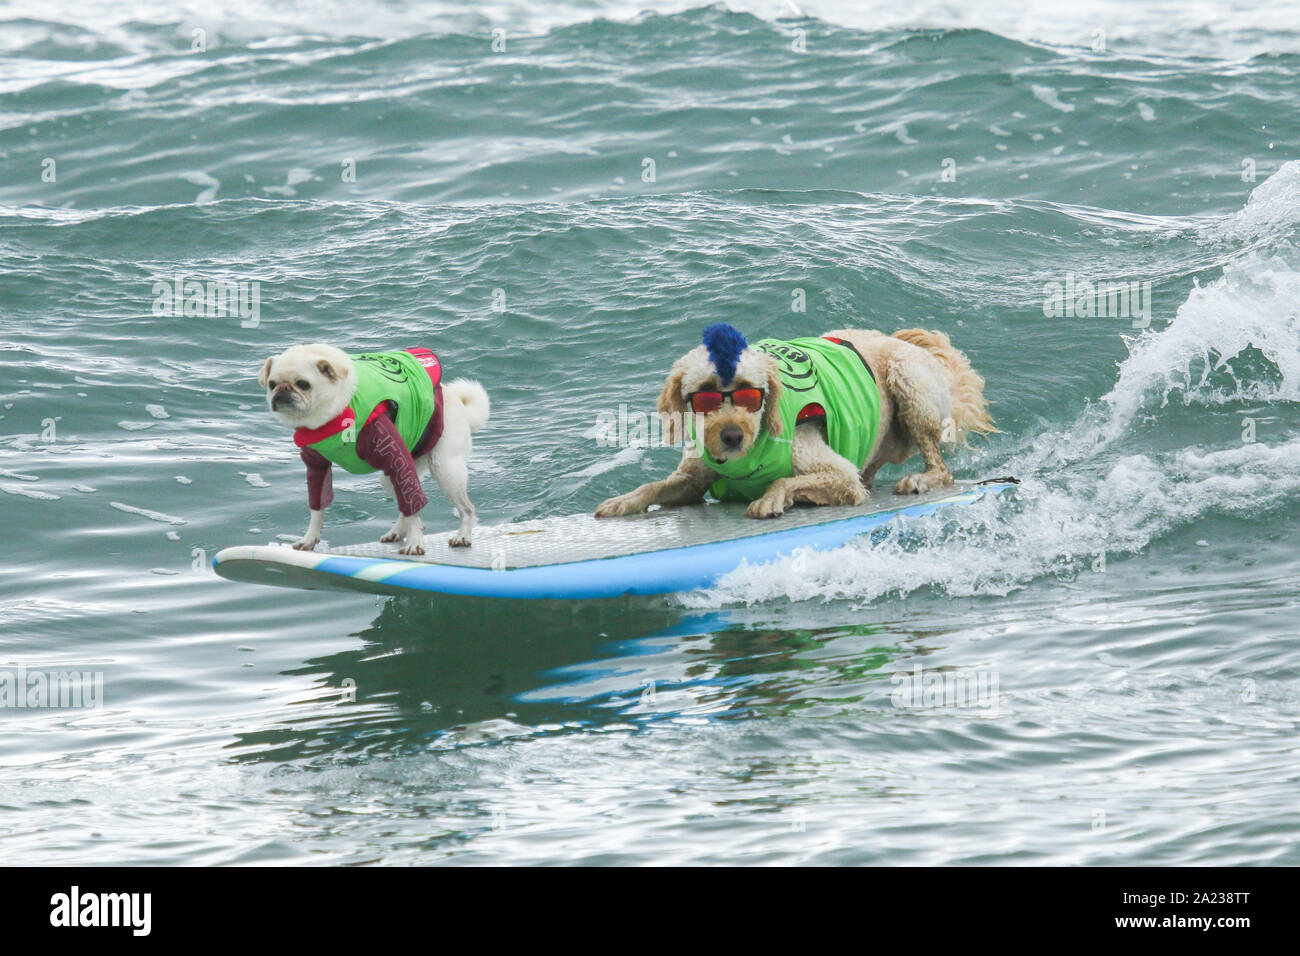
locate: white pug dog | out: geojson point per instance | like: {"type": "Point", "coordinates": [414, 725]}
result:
{"type": "Point", "coordinates": [378, 411]}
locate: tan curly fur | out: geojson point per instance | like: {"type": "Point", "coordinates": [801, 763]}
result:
{"type": "Point", "coordinates": [929, 396]}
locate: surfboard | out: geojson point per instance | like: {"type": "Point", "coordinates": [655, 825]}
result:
{"type": "Point", "coordinates": [580, 557]}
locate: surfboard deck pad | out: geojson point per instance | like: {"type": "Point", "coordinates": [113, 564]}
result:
{"type": "Point", "coordinates": [580, 556]}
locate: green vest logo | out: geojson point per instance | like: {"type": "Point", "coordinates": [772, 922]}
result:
{"type": "Point", "coordinates": [795, 365]}
{"type": "Point", "coordinates": [385, 364]}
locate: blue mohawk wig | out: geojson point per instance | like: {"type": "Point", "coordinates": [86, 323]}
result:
{"type": "Point", "coordinates": [725, 345]}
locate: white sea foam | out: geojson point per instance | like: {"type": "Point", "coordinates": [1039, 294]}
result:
{"type": "Point", "coordinates": [146, 513]}
{"type": "Point", "coordinates": [295, 177]}
{"type": "Point", "coordinates": [1178, 27]}
{"type": "Point", "coordinates": [1061, 527]}
{"type": "Point", "coordinates": [1049, 96]}
{"type": "Point", "coordinates": [26, 491]}
{"type": "Point", "coordinates": [625, 456]}
{"type": "Point", "coordinates": [1271, 211]}
{"type": "Point", "coordinates": [210, 184]}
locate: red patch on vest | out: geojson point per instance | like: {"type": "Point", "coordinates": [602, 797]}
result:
{"type": "Point", "coordinates": [430, 363]}
{"type": "Point", "coordinates": [433, 430]}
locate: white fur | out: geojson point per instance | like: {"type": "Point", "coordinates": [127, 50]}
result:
{"type": "Point", "coordinates": [330, 382]}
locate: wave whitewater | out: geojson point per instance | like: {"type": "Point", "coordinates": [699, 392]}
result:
{"type": "Point", "coordinates": [1233, 344]}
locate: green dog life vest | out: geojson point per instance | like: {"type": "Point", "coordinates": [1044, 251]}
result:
{"type": "Point", "coordinates": [813, 371]}
{"type": "Point", "coordinates": [407, 379]}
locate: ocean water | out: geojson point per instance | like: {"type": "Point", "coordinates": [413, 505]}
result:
{"type": "Point", "coordinates": [558, 217]}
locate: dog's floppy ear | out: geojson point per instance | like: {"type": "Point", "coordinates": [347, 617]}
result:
{"type": "Point", "coordinates": [672, 410]}
{"type": "Point", "coordinates": [772, 402]}
{"type": "Point", "coordinates": [264, 376]}
{"type": "Point", "coordinates": [329, 371]}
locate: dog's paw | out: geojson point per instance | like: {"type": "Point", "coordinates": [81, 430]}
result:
{"type": "Point", "coordinates": [459, 541]}
{"type": "Point", "coordinates": [920, 483]}
{"type": "Point", "coordinates": [306, 544]}
{"type": "Point", "coordinates": [411, 549]}
{"type": "Point", "coordinates": [766, 507]}
{"type": "Point", "coordinates": [409, 529]}
{"type": "Point", "coordinates": [622, 505]}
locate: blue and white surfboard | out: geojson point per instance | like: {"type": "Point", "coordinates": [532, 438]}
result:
{"type": "Point", "coordinates": [581, 557]}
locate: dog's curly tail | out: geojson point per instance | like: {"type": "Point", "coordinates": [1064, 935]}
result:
{"type": "Point", "coordinates": [970, 410]}
{"type": "Point", "coordinates": [473, 396]}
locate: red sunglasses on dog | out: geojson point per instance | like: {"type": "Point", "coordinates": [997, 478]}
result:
{"type": "Point", "coordinates": [749, 399]}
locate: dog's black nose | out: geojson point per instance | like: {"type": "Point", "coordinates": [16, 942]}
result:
{"type": "Point", "coordinates": [282, 396]}
{"type": "Point", "coordinates": [732, 436]}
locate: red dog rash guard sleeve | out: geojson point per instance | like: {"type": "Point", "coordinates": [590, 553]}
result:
{"type": "Point", "coordinates": [380, 446]}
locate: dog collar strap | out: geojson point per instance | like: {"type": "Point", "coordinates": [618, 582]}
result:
{"type": "Point", "coordinates": [302, 437]}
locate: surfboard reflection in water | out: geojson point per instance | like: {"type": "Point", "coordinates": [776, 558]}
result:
{"type": "Point", "coordinates": [429, 676]}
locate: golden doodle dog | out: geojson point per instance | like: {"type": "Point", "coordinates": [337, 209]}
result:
{"type": "Point", "coordinates": [810, 419]}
